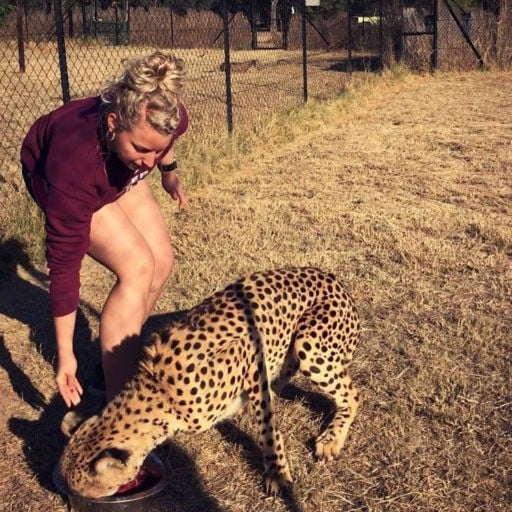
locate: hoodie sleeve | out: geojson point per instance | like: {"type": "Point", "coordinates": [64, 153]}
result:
{"type": "Point", "coordinates": [68, 223]}
{"type": "Point", "coordinates": [72, 167]}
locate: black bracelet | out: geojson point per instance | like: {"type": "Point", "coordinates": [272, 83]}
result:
{"type": "Point", "coordinates": [168, 167]}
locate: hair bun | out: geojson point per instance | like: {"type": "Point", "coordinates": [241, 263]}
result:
{"type": "Point", "coordinates": [156, 81]}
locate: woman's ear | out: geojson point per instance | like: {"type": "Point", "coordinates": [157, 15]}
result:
{"type": "Point", "coordinates": [112, 122]}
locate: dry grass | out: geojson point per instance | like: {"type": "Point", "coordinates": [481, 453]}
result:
{"type": "Point", "coordinates": [403, 188]}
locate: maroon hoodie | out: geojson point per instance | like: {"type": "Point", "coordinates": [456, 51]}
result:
{"type": "Point", "coordinates": [72, 176]}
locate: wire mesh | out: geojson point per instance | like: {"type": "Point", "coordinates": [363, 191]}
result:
{"type": "Point", "coordinates": [461, 37]}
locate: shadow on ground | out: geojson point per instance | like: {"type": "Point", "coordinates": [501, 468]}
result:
{"type": "Point", "coordinates": [252, 454]}
{"type": "Point", "coordinates": [372, 64]}
{"type": "Point", "coordinates": [316, 402]}
{"type": "Point", "coordinates": [27, 302]}
{"type": "Point", "coordinates": [186, 491]}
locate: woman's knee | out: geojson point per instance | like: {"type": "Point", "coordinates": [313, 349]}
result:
{"type": "Point", "coordinates": [164, 265]}
{"type": "Point", "coordinates": [139, 272]}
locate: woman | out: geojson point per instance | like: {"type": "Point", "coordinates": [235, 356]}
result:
{"type": "Point", "coordinates": [85, 164]}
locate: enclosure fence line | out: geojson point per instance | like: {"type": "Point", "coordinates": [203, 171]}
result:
{"type": "Point", "coordinates": [243, 65]}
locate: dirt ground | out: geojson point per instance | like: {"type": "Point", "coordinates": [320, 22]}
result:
{"type": "Point", "coordinates": [405, 192]}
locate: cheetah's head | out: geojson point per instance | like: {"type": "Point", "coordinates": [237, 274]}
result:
{"type": "Point", "coordinates": [97, 460]}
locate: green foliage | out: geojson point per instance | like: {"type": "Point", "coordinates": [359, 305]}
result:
{"type": "Point", "coordinates": [327, 8]}
{"type": "Point", "coordinates": [6, 7]}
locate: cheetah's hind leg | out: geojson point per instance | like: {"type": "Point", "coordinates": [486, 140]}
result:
{"type": "Point", "coordinates": [330, 442]}
{"type": "Point", "coordinates": [323, 357]}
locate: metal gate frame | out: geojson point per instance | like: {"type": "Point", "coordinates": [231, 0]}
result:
{"type": "Point", "coordinates": [432, 29]}
{"type": "Point", "coordinates": [462, 28]}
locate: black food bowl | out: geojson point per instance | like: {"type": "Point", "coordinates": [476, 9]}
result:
{"type": "Point", "coordinates": [139, 499]}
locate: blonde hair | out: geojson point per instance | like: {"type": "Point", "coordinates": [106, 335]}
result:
{"type": "Point", "coordinates": [155, 82]}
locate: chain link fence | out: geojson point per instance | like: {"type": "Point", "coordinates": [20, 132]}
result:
{"type": "Point", "coordinates": [456, 34]}
{"type": "Point", "coordinates": [245, 60]}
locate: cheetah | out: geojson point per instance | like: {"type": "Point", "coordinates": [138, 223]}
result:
{"type": "Point", "coordinates": [239, 346]}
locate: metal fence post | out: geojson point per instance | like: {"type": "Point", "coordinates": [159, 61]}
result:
{"type": "Point", "coordinates": [284, 25]}
{"type": "Point", "coordinates": [19, 31]}
{"type": "Point", "coordinates": [401, 45]}
{"type": "Point", "coordinates": [227, 63]}
{"type": "Point", "coordinates": [254, 33]}
{"type": "Point", "coordinates": [61, 46]}
{"type": "Point", "coordinates": [304, 53]}
{"type": "Point", "coordinates": [435, 37]}
{"type": "Point", "coordinates": [85, 25]}
{"type": "Point", "coordinates": [350, 42]}
{"type": "Point", "coordinates": [381, 34]}
{"type": "Point", "coordinates": [171, 9]}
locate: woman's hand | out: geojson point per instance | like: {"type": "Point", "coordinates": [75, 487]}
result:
{"type": "Point", "coordinates": [172, 185]}
{"type": "Point", "coordinates": [67, 383]}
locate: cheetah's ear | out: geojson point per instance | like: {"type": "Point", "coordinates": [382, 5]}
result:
{"type": "Point", "coordinates": [71, 422]}
{"type": "Point", "coordinates": [111, 459]}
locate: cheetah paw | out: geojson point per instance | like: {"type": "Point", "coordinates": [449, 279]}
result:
{"type": "Point", "coordinates": [278, 485]}
{"type": "Point", "coordinates": [328, 446]}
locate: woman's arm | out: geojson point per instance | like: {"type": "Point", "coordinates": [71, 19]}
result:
{"type": "Point", "coordinates": [67, 383]}
{"type": "Point", "coordinates": [170, 181]}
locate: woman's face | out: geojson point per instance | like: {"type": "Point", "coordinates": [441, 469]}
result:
{"type": "Point", "coordinates": [140, 148]}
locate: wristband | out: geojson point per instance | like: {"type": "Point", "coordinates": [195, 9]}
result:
{"type": "Point", "coordinates": [168, 167]}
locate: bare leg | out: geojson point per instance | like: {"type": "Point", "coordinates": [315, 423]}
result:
{"type": "Point", "coordinates": [145, 214]}
{"type": "Point", "coordinates": [130, 238]}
